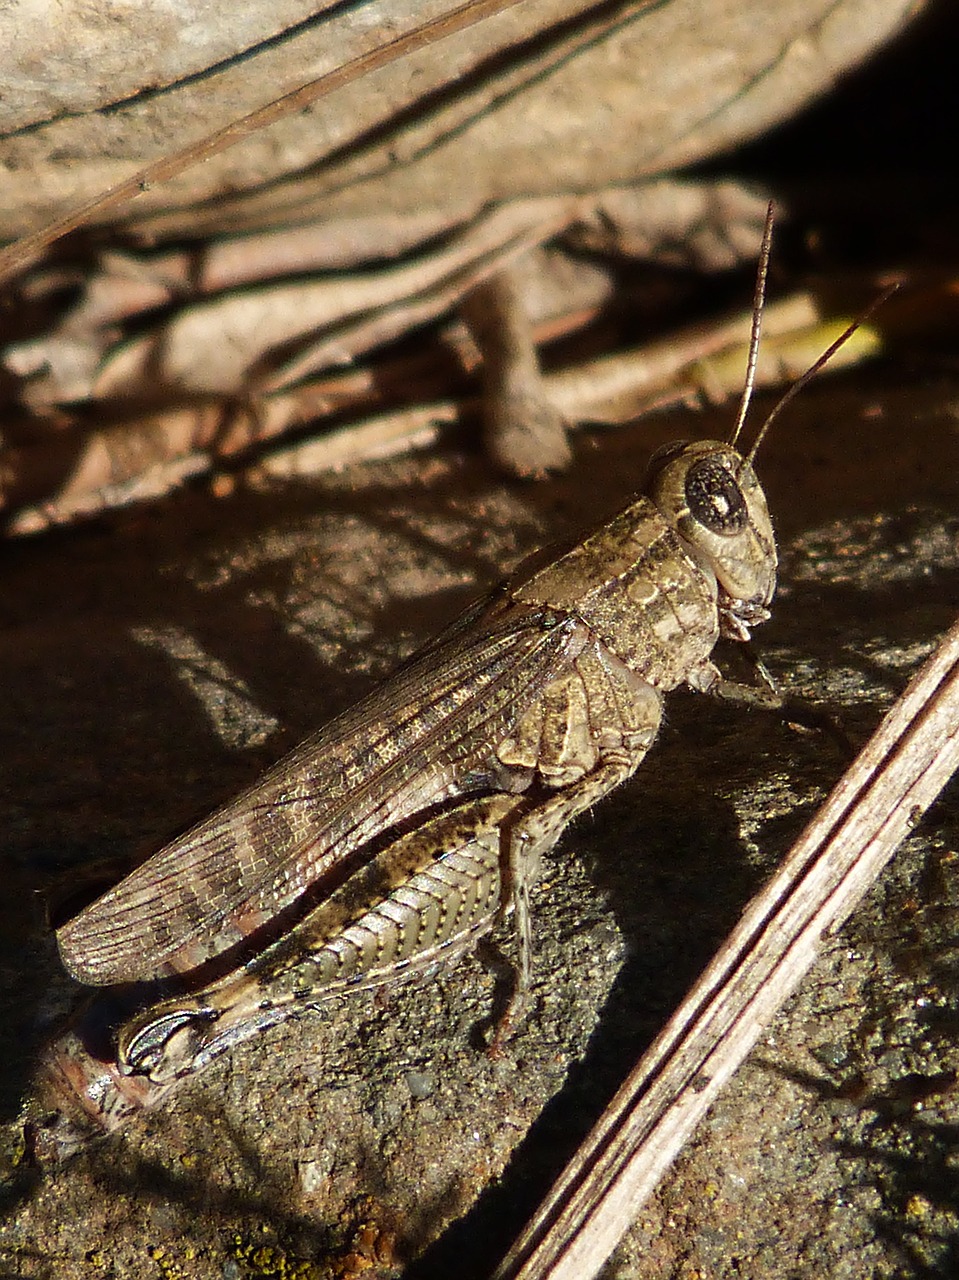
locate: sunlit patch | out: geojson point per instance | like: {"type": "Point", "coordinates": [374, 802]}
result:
{"type": "Point", "coordinates": [225, 697]}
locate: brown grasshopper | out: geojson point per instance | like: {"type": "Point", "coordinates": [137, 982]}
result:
{"type": "Point", "coordinates": [390, 840]}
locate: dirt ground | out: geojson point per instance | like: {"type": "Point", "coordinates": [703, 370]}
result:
{"type": "Point", "coordinates": [156, 660]}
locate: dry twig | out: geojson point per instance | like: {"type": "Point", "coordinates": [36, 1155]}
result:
{"type": "Point", "coordinates": [69, 474]}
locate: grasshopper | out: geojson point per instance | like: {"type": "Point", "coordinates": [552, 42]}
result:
{"type": "Point", "coordinates": [390, 840]}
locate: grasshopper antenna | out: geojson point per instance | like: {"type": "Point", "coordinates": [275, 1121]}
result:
{"type": "Point", "coordinates": [759, 298]}
{"type": "Point", "coordinates": [814, 368]}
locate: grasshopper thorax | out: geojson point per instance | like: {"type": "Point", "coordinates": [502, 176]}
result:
{"type": "Point", "coordinates": [710, 495]}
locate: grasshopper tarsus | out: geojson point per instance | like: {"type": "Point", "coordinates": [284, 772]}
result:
{"type": "Point", "coordinates": [752, 656]}
{"type": "Point", "coordinates": [807, 715]}
{"type": "Point", "coordinates": [747, 695]}
{"type": "Point", "coordinates": [788, 707]}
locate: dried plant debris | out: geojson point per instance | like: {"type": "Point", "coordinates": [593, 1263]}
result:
{"type": "Point", "coordinates": [225, 363]}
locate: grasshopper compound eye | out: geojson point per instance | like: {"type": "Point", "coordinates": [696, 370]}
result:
{"type": "Point", "coordinates": [715, 499]}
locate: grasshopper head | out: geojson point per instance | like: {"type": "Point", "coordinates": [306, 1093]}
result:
{"type": "Point", "coordinates": [709, 491]}
{"type": "Point", "coordinates": [711, 496]}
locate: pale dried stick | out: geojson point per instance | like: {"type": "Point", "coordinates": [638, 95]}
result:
{"type": "Point", "coordinates": [524, 433]}
{"type": "Point", "coordinates": [146, 456]}
{"type": "Point", "coordinates": [883, 794]}
{"type": "Point", "coordinates": [609, 389]}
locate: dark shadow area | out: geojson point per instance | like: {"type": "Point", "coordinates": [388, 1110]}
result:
{"type": "Point", "coordinates": [866, 165]}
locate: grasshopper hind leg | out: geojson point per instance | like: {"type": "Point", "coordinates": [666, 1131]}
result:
{"type": "Point", "coordinates": [431, 894]}
{"type": "Point", "coordinates": [417, 906]}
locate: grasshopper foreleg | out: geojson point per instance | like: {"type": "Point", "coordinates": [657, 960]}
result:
{"type": "Point", "coordinates": [767, 696]}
